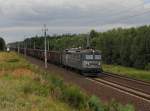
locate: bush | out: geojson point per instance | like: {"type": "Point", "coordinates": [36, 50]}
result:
{"type": "Point", "coordinates": [147, 66]}
{"type": "Point", "coordinates": [115, 106]}
{"type": "Point", "coordinates": [2, 44]}
{"type": "Point", "coordinates": [74, 97]}
{"type": "Point", "coordinates": [57, 82]}
{"type": "Point", "coordinates": [27, 89]}
{"type": "Point", "coordinates": [13, 60]}
{"type": "Point", "coordinates": [36, 88]}
{"type": "Point", "coordinates": [95, 104]}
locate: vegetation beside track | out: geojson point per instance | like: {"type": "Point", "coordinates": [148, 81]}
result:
{"type": "Point", "coordinates": [126, 71]}
{"type": "Point", "coordinates": [25, 87]}
{"type": "Point", "coordinates": [127, 47]}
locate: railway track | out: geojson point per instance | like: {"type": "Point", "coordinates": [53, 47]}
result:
{"type": "Point", "coordinates": [127, 78]}
{"type": "Point", "coordinates": [138, 85]}
{"type": "Point", "coordinates": [133, 87]}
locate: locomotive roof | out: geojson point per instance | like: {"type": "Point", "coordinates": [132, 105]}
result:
{"type": "Point", "coordinates": [75, 50]}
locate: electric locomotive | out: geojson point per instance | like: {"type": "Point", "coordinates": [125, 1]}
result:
{"type": "Point", "coordinates": [87, 61]}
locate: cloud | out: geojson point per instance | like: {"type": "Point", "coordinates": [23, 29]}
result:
{"type": "Point", "coordinates": [20, 17]}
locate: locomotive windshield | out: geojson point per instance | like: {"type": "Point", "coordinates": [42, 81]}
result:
{"type": "Point", "coordinates": [98, 57]}
{"type": "Point", "coordinates": [89, 57]}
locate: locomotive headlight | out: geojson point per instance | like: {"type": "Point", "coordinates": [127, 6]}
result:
{"type": "Point", "coordinates": [86, 63]}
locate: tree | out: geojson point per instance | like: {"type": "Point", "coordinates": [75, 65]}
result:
{"type": "Point", "coordinates": [2, 44]}
{"type": "Point", "coordinates": [93, 34]}
{"type": "Point", "coordinates": [127, 47]}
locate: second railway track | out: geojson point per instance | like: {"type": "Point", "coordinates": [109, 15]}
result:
{"type": "Point", "coordinates": [126, 85]}
{"type": "Point", "coordinates": [127, 78]}
{"type": "Point", "coordinates": [138, 85]}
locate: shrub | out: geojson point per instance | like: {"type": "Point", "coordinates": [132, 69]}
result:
{"type": "Point", "coordinates": [126, 108]}
{"type": "Point", "coordinates": [27, 89]}
{"type": "Point", "coordinates": [13, 60]}
{"type": "Point", "coordinates": [36, 88]}
{"type": "Point", "coordinates": [95, 104]}
{"type": "Point", "coordinates": [57, 82]}
{"type": "Point", "coordinates": [115, 106]}
{"type": "Point", "coordinates": [2, 44]}
{"type": "Point", "coordinates": [147, 67]}
{"type": "Point", "coordinates": [74, 97]}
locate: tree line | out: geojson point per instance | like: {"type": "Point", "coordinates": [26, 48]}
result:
{"type": "Point", "coordinates": [2, 44]}
{"type": "Point", "coordinates": [128, 47]}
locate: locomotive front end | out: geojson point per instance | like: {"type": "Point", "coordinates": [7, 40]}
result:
{"type": "Point", "coordinates": [92, 63]}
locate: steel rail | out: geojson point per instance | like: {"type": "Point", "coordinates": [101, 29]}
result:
{"type": "Point", "coordinates": [127, 78]}
{"type": "Point", "coordinates": [122, 89]}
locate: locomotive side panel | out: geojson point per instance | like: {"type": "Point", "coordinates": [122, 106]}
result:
{"type": "Point", "coordinates": [74, 61]}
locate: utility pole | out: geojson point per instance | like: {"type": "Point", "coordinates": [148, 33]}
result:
{"type": "Point", "coordinates": [34, 44]}
{"type": "Point", "coordinates": [30, 44]}
{"type": "Point", "coordinates": [48, 46]}
{"type": "Point", "coordinates": [25, 46]}
{"type": "Point", "coordinates": [45, 35]}
{"type": "Point", "coordinates": [88, 41]}
{"type": "Point", "coordinates": [18, 48]}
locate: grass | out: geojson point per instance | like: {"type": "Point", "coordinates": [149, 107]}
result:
{"type": "Point", "coordinates": [130, 72]}
{"type": "Point", "coordinates": [12, 97]}
{"type": "Point", "coordinates": [11, 61]}
{"type": "Point", "coordinates": [21, 91]}
{"type": "Point", "coordinates": [25, 87]}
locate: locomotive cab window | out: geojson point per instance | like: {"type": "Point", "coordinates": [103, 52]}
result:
{"type": "Point", "coordinates": [89, 57]}
{"type": "Point", "coordinates": [98, 57]}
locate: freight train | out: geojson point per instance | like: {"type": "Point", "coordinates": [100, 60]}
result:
{"type": "Point", "coordinates": [87, 61]}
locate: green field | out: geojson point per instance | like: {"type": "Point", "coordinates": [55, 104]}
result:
{"type": "Point", "coordinates": [16, 77]}
{"type": "Point", "coordinates": [130, 72]}
{"type": "Point", "coordinates": [25, 87]}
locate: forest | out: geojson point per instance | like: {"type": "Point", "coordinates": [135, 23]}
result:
{"type": "Point", "coordinates": [127, 47]}
{"type": "Point", "coordinates": [2, 44]}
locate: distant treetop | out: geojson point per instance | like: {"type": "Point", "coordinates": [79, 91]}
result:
{"type": "Point", "coordinates": [2, 44]}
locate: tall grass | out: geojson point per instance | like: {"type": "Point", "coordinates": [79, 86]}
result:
{"type": "Point", "coordinates": [95, 104]}
{"type": "Point", "coordinates": [43, 91]}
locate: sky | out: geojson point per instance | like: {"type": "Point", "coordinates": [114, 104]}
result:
{"type": "Point", "coordinates": [25, 18]}
{"type": "Point", "coordinates": [146, 1]}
